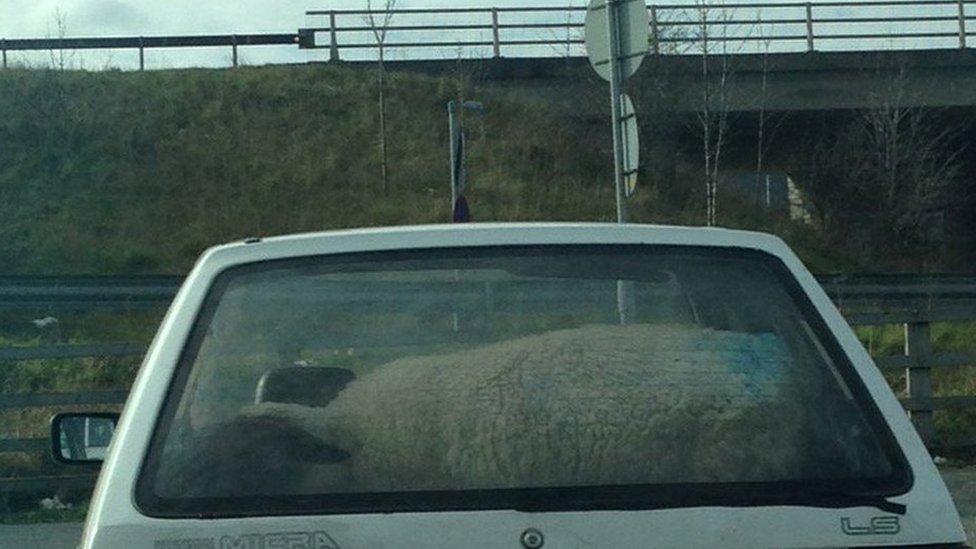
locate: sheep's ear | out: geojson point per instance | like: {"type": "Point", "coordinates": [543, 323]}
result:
{"type": "Point", "coordinates": [302, 445]}
{"type": "Point", "coordinates": [311, 434]}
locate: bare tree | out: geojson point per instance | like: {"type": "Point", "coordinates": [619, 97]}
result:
{"type": "Point", "coordinates": [569, 31]}
{"type": "Point", "coordinates": [768, 123]}
{"type": "Point", "coordinates": [60, 58]}
{"type": "Point", "coordinates": [379, 28]}
{"type": "Point", "coordinates": [763, 95]}
{"type": "Point", "coordinates": [560, 40]}
{"type": "Point", "coordinates": [713, 115]}
{"type": "Point", "coordinates": [917, 153]}
{"type": "Point", "coordinates": [882, 178]}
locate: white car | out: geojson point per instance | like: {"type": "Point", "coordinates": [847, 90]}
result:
{"type": "Point", "coordinates": [526, 385]}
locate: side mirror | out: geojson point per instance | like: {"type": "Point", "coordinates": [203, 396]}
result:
{"type": "Point", "coordinates": [80, 439]}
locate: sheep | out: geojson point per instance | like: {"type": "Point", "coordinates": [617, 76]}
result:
{"type": "Point", "coordinates": [595, 405]}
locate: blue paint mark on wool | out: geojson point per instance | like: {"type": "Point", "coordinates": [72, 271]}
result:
{"type": "Point", "coordinates": [760, 360]}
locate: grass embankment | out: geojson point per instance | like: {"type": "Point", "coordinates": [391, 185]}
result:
{"type": "Point", "coordinates": [124, 172]}
{"type": "Point", "coordinates": [139, 172]}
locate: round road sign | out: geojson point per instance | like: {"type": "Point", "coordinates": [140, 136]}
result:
{"type": "Point", "coordinates": [632, 30]}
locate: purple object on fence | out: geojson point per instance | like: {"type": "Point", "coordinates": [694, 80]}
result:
{"type": "Point", "coordinates": [462, 214]}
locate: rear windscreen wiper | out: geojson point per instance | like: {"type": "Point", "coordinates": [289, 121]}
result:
{"type": "Point", "coordinates": [823, 498]}
{"type": "Point", "coordinates": [842, 498]}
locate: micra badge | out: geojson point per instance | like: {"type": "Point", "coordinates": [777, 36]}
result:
{"type": "Point", "coordinates": [281, 540]}
{"type": "Point", "coordinates": [877, 526]}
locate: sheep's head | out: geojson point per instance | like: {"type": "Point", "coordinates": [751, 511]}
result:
{"type": "Point", "coordinates": [263, 451]}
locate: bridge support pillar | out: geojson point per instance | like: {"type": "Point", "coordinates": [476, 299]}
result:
{"type": "Point", "coordinates": [810, 46]}
{"type": "Point", "coordinates": [495, 41]}
{"type": "Point", "coordinates": [333, 39]}
{"type": "Point", "coordinates": [962, 24]}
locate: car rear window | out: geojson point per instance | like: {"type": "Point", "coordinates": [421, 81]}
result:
{"type": "Point", "coordinates": [540, 377]}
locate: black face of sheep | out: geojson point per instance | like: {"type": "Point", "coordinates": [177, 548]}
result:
{"type": "Point", "coordinates": [247, 456]}
{"type": "Point", "coordinates": [256, 455]}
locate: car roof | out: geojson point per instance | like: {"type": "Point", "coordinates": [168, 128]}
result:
{"type": "Point", "coordinates": [487, 234]}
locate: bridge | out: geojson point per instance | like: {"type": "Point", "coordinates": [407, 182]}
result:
{"type": "Point", "coordinates": [794, 81]}
{"type": "Point", "coordinates": [806, 55]}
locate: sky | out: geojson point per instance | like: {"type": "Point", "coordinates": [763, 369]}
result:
{"type": "Point", "coordinates": [39, 18]}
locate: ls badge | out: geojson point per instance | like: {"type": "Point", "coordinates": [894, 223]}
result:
{"type": "Point", "coordinates": [877, 527]}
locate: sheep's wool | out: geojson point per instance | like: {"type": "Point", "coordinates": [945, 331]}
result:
{"type": "Point", "coordinates": [590, 406]}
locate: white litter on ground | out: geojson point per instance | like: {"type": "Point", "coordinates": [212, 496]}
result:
{"type": "Point", "coordinates": [46, 322]}
{"type": "Point", "coordinates": [54, 504]}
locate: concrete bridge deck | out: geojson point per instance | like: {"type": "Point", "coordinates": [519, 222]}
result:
{"type": "Point", "coordinates": [795, 81]}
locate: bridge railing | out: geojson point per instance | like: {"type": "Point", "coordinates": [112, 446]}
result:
{"type": "Point", "coordinates": [914, 302]}
{"type": "Point", "coordinates": [143, 43]}
{"type": "Point", "coordinates": [674, 28]}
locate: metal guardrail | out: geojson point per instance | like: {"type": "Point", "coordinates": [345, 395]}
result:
{"type": "Point", "coordinates": [39, 400]}
{"type": "Point", "coordinates": [947, 299]}
{"type": "Point", "coordinates": [142, 43]}
{"type": "Point", "coordinates": [502, 31]}
{"type": "Point", "coordinates": [58, 293]}
{"type": "Point", "coordinates": [86, 292]}
{"type": "Point", "coordinates": [674, 28]}
{"type": "Point", "coordinates": [917, 363]}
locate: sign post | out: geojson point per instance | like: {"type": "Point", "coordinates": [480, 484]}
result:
{"type": "Point", "coordinates": [617, 40]}
{"type": "Point", "coordinates": [460, 212]}
{"type": "Point", "coordinates": [457, 157]}
{"type": "Point", "coordinates": [616, 107]}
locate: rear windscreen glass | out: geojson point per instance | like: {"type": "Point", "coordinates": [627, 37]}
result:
{"type": "Point", "coordinates": [483, 378]}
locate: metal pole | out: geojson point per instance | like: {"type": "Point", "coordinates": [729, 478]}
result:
{"type": "Point", "coordinates": [616, 109]}
{"type": "Point", "coordinates": [768, 197]}
{"type": "Point", "coordinates": [655, 39]}
{"type": "Point", "coordinates": [142, 54]}
{"type": "Point", "coordinates": [454, 130]}
{"type": "Point", "coordinates": [809, 27]}
{"type": "Point", "coordinates": [496, 42]}
{"type": "Point", "coordinates": [234, 48]}
{"type": "Point", "coordinates": [962, 24]}
{"type": "Point", "coordinates": [624, 287]}
{"type": "Point", "coordinates": [333, 39]}
{"type": "Point", "coordinates": [918, 346]}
